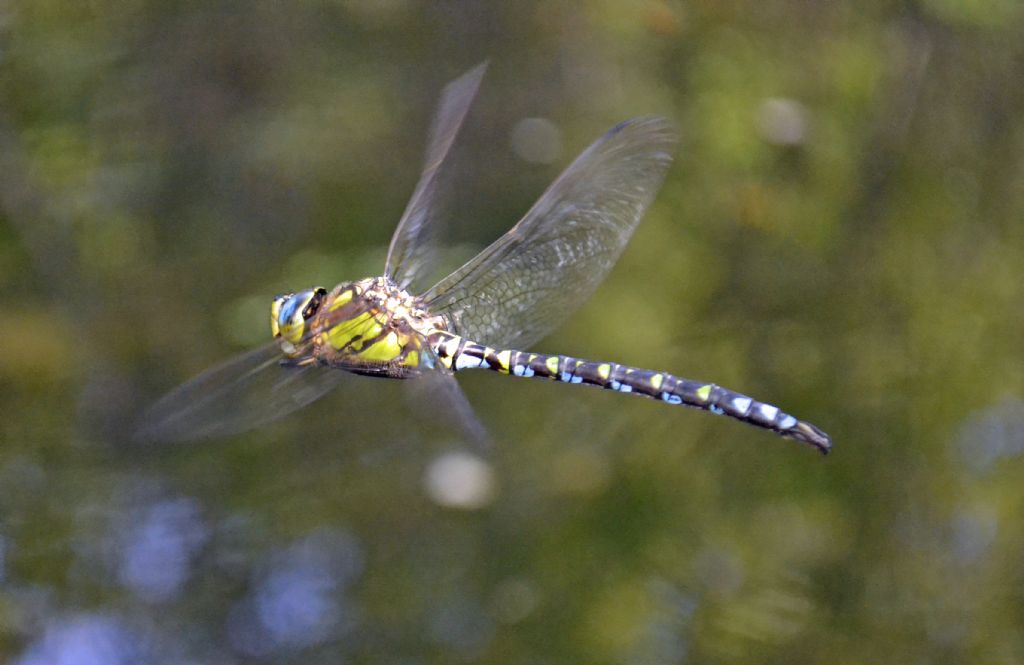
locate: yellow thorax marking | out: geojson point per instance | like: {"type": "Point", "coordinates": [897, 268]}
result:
{"type": "Point", "coordinates": [364, 326]}
{"type": "Point", "coordinates": [383, 350]}
{"type": "Point", "coordinates": [342, 298]}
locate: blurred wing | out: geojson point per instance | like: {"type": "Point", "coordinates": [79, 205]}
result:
{"type": "Point", "coordinates": [531, 279]}
{"type": "Point", "coordinates": [438, 396]}
{"type": "Point", "coordinates": [244, 393]}
{"type": "Point", "coordinates": [414, 240]}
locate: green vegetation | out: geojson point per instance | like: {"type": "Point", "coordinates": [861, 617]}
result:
{"type": "Point", "coordinates": [842, 235]}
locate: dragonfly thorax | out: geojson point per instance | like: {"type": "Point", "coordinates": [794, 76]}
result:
{"type": "Point", "coordinates": [368, 326]}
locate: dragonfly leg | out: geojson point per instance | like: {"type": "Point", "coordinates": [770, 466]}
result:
{"type": "Point", "coordinates": [298, 362]}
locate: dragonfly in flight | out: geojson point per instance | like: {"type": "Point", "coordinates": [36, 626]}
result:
{"type": "Point", "coordinates": [504, 299]}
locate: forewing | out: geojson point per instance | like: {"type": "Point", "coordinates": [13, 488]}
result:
{"type": "Point", "coordinates": [415, 239]}
{"type": "Point", "coordinates": [531, 279]}
{"type": "Point", "coordinates": [244, 393]}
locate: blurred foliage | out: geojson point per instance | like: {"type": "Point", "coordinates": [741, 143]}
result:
{"type": "Point", "coordinates": [842, 235]}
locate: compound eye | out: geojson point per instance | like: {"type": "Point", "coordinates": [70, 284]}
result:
{"type": "Point", "coordinates": [291, 313]}
{"type": "Point", "coordinates": [313, 306]}
{"type": "Point", "coordinates": [276, 320]}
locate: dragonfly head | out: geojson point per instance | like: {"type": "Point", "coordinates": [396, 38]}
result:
{"type": "Point", "coordinates": [289, 315]}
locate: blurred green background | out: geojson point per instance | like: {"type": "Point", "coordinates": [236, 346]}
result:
{"type": "Point", "coordinates": [841, 235]}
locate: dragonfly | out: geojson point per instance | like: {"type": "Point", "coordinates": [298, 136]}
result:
{"type": "Point", "coordinates": [506, 298]}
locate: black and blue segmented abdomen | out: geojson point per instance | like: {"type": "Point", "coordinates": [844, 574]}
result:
{"type": "Point", "coordinates": [662, 386]}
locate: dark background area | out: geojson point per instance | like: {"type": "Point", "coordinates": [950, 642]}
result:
{"type": "Point", "coordinates": [841, 235]}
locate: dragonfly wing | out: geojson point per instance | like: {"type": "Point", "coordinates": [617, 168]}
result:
{"type": "Point", "coordinates": [438, 395]}
{"type": "Point", "coordinates": [414, 241]}
{"type": "Point", "coordinates": [531, 279]}
{"type": "Point", "coordinates": [243, 393]}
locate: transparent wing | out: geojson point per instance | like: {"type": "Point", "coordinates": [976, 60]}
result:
{"type": "Point", "coordinates": [531, 279]}
{"type": "Point", "coordinates": [248, 391]}
{"type": "Point", "coordinates": [254, 389]}
{"type": "Point", "coordinates": [437, 395]}
{"type": "Point", "coordinates": [414, 242]}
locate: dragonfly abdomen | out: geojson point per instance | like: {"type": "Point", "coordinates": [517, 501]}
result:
{"type": "Point", "coordinates": [460, 354]}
